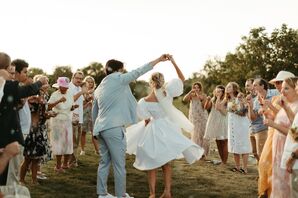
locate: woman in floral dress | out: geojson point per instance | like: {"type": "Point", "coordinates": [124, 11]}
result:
{"type": "Point", "coordinates": [198, 115]}
{"type": "Point", "coordinates": [89, 82]}
{"type": "Point", "coordinates": [36, 143]}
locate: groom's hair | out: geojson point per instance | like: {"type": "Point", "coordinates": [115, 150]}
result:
{"type": "Point", "coordinates": [113, 66]}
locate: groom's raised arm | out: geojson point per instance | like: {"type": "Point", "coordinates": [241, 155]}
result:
{"type": "Point", "coordinates": [134, 74]}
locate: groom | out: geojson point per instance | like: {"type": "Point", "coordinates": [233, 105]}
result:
{"type": "Point", "coordinates": [114, 107]}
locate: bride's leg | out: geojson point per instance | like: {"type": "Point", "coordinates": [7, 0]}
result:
{"type": "Point", "coordinates": [152, 182]}
{"type": "Point", "coordinates": [167, 174]}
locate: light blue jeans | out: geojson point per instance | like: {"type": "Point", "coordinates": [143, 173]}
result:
{"type": "Point", "coordinates": [112, 149]}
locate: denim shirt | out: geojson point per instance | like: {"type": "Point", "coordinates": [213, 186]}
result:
{"type": "Point", "coordinates": [257, 125]}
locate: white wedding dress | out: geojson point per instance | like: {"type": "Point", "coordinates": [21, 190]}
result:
{"type": "Point", "coordinates": [162, 139]}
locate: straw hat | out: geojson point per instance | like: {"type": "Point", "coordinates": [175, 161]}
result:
{"type": "Point", "coordinates": [281, 76]}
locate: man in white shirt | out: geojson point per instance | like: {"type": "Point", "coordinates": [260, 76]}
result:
{"type": "Point", "coordinates": [77, 121]}
{"type": "Point", "coordinates": [21, 67]}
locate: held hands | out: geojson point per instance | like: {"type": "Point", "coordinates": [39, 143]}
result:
{"type": "Point", "coordinates": [164, 57]}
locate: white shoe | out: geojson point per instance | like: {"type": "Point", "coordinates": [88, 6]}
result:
{"type": "Point", "coordinates": [82, 153]}
{"type": "Point", "coordinates": [42, 177]}
{"type": "Point", "coordinates": [106, 196]}
{"type": "Point", "coordinates": [127, 196]}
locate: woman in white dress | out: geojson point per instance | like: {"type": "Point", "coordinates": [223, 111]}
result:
{"type": "Point", "coordinates": [217, 123]}
{"type": "Point", "coordinates": [238, 125]}
{"type": "Point", "coordinates": [158, 139]}
{"type": "Point", "coordinates": [61, 102]}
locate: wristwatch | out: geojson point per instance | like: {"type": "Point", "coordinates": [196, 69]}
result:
{"type": "Point", "coordinates": [294, 156]}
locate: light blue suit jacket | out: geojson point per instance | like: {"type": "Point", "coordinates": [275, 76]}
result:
{"type": "Point", "coordinates": [114, 105]}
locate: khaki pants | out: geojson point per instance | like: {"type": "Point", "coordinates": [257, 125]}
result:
{"type": "Point", "coordinates": [258, 141]}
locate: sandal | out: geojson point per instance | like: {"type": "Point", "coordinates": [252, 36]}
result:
{"type": "Point", "coordinates": [241, 170]}
{"type": "Point", "coordinates": [234, 169]}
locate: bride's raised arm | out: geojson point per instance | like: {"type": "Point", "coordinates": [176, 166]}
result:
{"type": "Point", "coordinates": [178, 71]}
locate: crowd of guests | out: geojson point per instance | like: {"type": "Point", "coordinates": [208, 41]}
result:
{"type": "Point", "coordinates": [36, 126]}
{"type": "Point", "coordinates": [262, 122]}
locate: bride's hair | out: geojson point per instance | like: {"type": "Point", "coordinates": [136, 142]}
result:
{"type": "Point", "coordinates": [157, 79]}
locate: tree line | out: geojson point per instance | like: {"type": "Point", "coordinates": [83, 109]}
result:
{"type": "Point", "coordinates": [258, 55]}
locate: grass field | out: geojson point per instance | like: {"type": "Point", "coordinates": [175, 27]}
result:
{"type": "Point", "coordinates": [199, 180]}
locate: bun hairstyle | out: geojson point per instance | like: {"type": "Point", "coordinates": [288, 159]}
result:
{"type": "Point", "coordinates": [113, 66]}
{"type": "Point", "coordinates": [157, 80]}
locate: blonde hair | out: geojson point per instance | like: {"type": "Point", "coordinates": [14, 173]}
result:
{"type": "Point", "coordinates": [235, 87]}
{"type": "Point", "coordinates": [291, 82]}
{"type": "Point", "coordinates": [37, 77]}
{"type": "Point", "coordinates": [90, 77]}
{"type": "Point", "coordinates": [157, 79]}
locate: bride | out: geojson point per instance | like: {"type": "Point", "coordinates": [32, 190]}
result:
{"type": "Point", "coordinates": [158, 138]}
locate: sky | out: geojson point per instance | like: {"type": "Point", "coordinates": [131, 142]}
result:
{"type": "Point", "coordinates": [49, 33]}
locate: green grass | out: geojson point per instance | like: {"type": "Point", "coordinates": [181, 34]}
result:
{"type": "Point", "coordinates": [198, 180]}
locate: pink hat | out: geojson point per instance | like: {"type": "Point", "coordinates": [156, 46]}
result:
{"type": "Point", "coordinates": [62, 82]}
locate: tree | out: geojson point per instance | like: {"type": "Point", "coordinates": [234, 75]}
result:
{"type": "Point", "coordinates": [96, 70]}
{"type": "Point", "coordinates": [60, 71]}
{"type": "Point", "coordinates": [258, 55]}
{"type": "Point", "coordinates": [139, 88]}
{"type": "Point", "coordinates": [32, 71]}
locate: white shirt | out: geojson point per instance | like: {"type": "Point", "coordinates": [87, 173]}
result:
{"type": "Point", "coordinates": [74, 90]}
{"type": "Point", "coordinates": [25, 118]}
{"type": "Point", "coordinates": [290, 146]}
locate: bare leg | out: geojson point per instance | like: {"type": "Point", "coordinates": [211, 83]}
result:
{"type": "Point", "coordinates": [219, 148]}
{"type": "Point", "coordinates": [167, 174]}
{"type": "Point", "coordinates": [152, 182]}
{"type": "Point", "coordinates": [34, 167]}
{"type": "Point", "coordinates": [237, 160]}
{"type": "Point", "coordinates": [23, 169]}
{"type": "Point", "coordinates": [95, 143]}
{"type": "Point", "coordinates": [245, 160]}
{"type": "Point", "coordinates": [225, 151]}
{"type": "Point", "coordinates": [58, 158]}
{"type": "Point", "coordinates": [65, 161]}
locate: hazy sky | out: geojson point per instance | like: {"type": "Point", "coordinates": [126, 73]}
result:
{"type": "Point", "coordinates": [48, 33]}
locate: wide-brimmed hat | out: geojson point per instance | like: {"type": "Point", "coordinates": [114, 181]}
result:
{"type": "Point", "coordinates": [281, 76]}
{"type": "Point", "coordinates": [62, 82]}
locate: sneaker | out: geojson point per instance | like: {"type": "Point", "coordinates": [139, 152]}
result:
{"type": "Point", "coordinates": [42, 177]}
{"type": "Point", "coordinates": [82, 153]}
{"type": "Point", "coordinates": [106, 196]}
{"type": "Point", "coordinates": [127, 196]}
{"type": "Point", "coordinates": [40, 173]}
{"type": "Point", "coordinates": [216, 162]}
